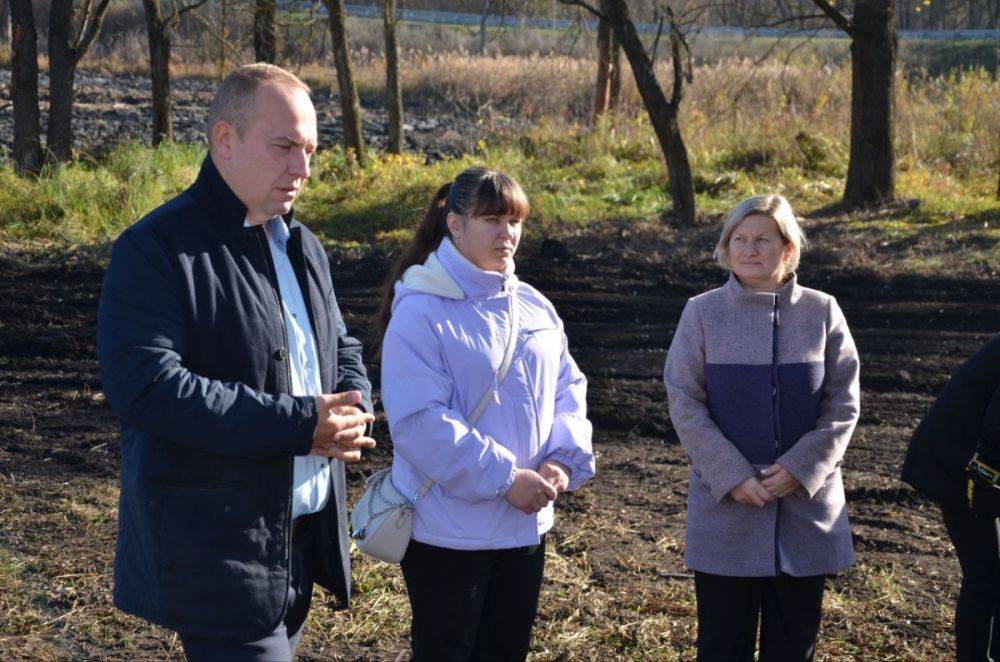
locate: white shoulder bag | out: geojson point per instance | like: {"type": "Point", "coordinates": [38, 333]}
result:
{"type": "Point", "coordinates": [382, 520]}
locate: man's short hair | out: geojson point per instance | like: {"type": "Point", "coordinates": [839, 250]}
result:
{"type": "Point", "coordinates": [234, 98]}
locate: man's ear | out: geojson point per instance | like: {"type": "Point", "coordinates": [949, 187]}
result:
{"type": "Point", "coordinates": [223, 133]}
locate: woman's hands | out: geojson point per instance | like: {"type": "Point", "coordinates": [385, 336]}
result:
{"type": "Point", "coordinates": [533, 490]}
{"type": "Point", "coordinates": [530, 492]}
{"type": "Point", "coordinates": [752, 493]}
{"type": "Point", "coordinates": [778, 482]}
{"type": "Point", "coordinates": [556, 473]}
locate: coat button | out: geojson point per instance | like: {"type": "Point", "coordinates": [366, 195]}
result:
{"type": "Point", "coordinates": [281, 354]}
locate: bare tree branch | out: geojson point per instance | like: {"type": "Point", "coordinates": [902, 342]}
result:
{"type": "Point", "coordinates": [90, 29]}
{"type": "Point", "coordinates": [836, 16]}
{"type": "Point", "coordinates": [83, 11]}
{"type": "Point", "coordinates": [681, 54]}
{"type": "Point", "coordinates": [580, 3]}
{"type": "Point", "coordinates": [183, 9]}
{"type": "Point", "coordinates": [656, 41]}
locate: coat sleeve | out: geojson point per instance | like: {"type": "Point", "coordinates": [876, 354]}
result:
{"type": "Point", "coordinates": [417, 390]}
{"type": "Point", "coordinates": [715, 459]}
{"type": "Point", "coordinates": [570, 438]}
{"type": "Point", "coordinates": [991, 420]}
{"type": "Point", "coordinates": [142, 340]}
{"type": "Point", "coordinates": [818, 452]}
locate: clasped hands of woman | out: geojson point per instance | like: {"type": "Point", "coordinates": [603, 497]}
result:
{"type": "Point", "coordinates": [777, 482]}
{"type": "Point", "coordinates": [533, 490]}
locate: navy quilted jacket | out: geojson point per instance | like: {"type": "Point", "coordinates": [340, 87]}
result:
{"type": "Point", "coordinates": [194, 363]}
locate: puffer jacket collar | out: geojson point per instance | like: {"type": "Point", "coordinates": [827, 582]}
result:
{"type": "Point", "coordinates": [447, 273]}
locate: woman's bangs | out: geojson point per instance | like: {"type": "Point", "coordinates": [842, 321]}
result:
{"type": "Point", "coordinates": [501, 196]}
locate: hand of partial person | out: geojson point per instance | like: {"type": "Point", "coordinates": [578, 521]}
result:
{"type": "Point", "coordinates": [530, 491]}
{"type": "Point", "coordinates": [556, 473]}
{"type": "Point", "coordinates": [340, 427]}
{"type": "Point", "coordinates": [779, 481]}
{"type": "Point", "coordinates": [752, 493]}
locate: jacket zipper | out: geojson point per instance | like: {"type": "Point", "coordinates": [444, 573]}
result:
{"type": "Point", "coordinates": [776, 413]}
{"type": "Point", "coordinates": [272, 280]}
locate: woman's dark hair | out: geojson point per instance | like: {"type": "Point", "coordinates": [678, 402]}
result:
{"type": "Point", "coordinates": [475, 192]}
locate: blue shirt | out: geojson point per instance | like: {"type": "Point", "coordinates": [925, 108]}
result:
{"type": "Point", "coordinates": [311, 477]}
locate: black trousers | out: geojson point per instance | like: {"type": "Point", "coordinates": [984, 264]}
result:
{"type": "Point", "coordinates": [977, 614]}
{"type": "Point", "coordinates": [472, 605]}
{"type": "Point", "coordinates": [729, 608]}
{"type": "Point", "coordinates": [280, 644]}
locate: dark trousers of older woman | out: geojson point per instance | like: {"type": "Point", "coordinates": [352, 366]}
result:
{"type": "Point", "coordinates": [729, 608]}
{"type": "Point", "coordinates": [472, 604]}
{"type": "Point", "coordinates": [977, 615]}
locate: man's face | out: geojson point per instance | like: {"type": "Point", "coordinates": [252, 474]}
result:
{"type": "Point", "coordinates": [267, 166]}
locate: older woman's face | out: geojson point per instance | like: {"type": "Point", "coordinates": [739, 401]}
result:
{"type": "Point", "coordinates": [758, 253]}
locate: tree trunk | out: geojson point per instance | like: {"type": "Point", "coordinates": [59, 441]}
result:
{"type": "Point", "coordinates": [265, 41]}
{"type": "Point", "coordinates": [662, 113]}
{"type": "Point", "coordinates": [159, 71]}
{"type": "Point", "coordinates": [4, 21]}
{"type": "Point", "coordinates": [616, 72]}
{"type": "Point", "coordinates": [487, 4]}
{"type": "Point", "coordinates": [24, 87]}
{"type": "Point", "coordinates": [62, 71]}
{"type": "Point", "coordinates": [350, 107]}
{"type": "Point", "coordinates": [393, 91]}
{"type": "Point", "coordinates": [871, 171]}
{"type": "Point", "coordinates": [972, 20]}
{"type": "Point", "coordinates": [603, 88]}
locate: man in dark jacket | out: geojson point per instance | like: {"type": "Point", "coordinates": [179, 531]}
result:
{"type": "Point", "coordinates": [964, 420]}
{"type": "Point", "coordinates": [240, 394]}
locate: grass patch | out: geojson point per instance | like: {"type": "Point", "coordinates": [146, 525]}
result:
{"type": "Point", "coordinates": [576, 175]}
{"type": "Point", "coordinates": [91, 202]}
{"type": "Point", "coordinates": [20, 612]}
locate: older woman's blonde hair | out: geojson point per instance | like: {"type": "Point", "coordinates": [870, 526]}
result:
{"type": "Point", "coordinates": [773, 206]}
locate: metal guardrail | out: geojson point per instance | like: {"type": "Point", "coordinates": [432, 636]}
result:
{"type": "Point", "coordinates": [495, 21]}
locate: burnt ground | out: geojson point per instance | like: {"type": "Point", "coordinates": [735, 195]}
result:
{"type": "Point", "coordinates": [111, 108]}
{"type": "Point", "coordinates": [617, 587]}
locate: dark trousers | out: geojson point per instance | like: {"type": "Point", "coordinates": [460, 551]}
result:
{"type": "Point", "coordinates": [279, 645]}
{"type": "Point", "coordinates": [472, 605]}
{"type": "Point", "coordinates": [729, 608]}
{"type": "Point", "coordinates": [977, 614]}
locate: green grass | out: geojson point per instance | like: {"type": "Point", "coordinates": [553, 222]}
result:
{"type": "Point", "coordinates": [574, 176]}
{"type": "Point", "coordinates": [87, 202]}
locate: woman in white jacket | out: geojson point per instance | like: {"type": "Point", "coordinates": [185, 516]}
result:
{"type": "Point", "coordinates": [473, 568]}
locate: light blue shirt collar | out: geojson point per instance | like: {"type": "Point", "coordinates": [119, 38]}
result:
{"type": "Point", "coordinates": [277, 231]}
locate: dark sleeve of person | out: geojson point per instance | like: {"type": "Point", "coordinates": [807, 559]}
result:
{"type": "Point", "coordinates": [142, 340]}
{"type": "Point", "coordinates": [991, 420]}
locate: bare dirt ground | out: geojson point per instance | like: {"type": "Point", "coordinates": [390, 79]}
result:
{"type": "Point", "coordinates": [616, 586]}
{"type": "Point", "coordinates": [112, 108]}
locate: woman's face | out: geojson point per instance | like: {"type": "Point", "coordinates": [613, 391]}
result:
{"type": "Point", "coordinates": [758, 253]}
{"type": "Point", "coordinates": [489, 242]}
